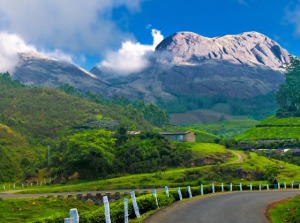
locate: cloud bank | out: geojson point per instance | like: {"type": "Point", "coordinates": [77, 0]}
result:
{"type": "Point", "coordinates": [10, 47]}
{"type": "Point", "coordinates": [72, 26]}
{"type": "Point", "coordinates": [132, 57]}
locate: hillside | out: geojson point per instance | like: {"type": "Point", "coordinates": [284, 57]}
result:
{"type": "Point", "coordinates": [33, 117]}
{"type": "Point", "coordinates": [16, 155]}
{"type": "Point", "coordinates": [274, 128]}
{"type": "Point", "coordinates": [226, 129]}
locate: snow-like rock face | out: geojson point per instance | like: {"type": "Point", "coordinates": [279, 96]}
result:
{"type": "Point", "coordinates": [249, 48]}
{"type": "Point", "coordinates": [38, 69]}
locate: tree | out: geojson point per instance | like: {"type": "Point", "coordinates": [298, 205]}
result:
{"type": "Point", "coordinates": [91, 153]}
{"type": "Point", "coordinates": [288, 96]}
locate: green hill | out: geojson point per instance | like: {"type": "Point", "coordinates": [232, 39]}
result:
{"type": "Point", "coordinates": [33, 117]}
{"type": "Point", "coordinates": [226, 129]}
{"type": "Point", "coordinates": [16, 155]}
{"type": "Point", "coordinates": [274, 128]}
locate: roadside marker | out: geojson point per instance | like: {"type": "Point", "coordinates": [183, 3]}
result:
{"type": "Point", "coordinates": [259, 186]}
{"type": "Point", "coordinates": [278, 185]}
{"type": "Point", "coordinates": [201, 189]}
{"type": "Point", "coordinates": [167, 191]}
{"type": "Point", "coordinates": [241, 187]}
{"type": "Point", "coordinates": [267, 186]}
{"type": "Point", "coordinates": [126, 209]}
{"type": "Point", "coordinates": [222, 187]}
{"type": "Point", "coordinates": [213, 188]}
{"type": "Point", "coordinates": [74, 217]}
{"type": "Point", "coordinates": [250, 186]}
{"type": "Point", "coordinates": [230, 186]}
{"type": "Point", "coordinates": [284, 185]}
{"type": "Point", "coordinates": [154, 195]}
{"type": "Point", "coordinates": [189, 191]}
{"type": "Point", "coordinates": [179, 193]}
{"type": "Point", "coordinates": [292, 184]}
{"type": "Point", "coordinates": [107, 209]}
{"type": "Point", "coordinates": [135, 206]}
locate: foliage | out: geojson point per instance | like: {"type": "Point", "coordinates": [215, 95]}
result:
{"type": "Point", "coordinates": [95, 154]}
{"type": "Point", "coordinates": [288, 96]}
{"type": "Point", "coordinates": [226, 129]}
{"type": "Point", "coordinates": [150, 112]}
{"type": "Point", "coordinates": [286, 211]}
{"type": "Point", "coordinates": [32, 209]}
{"type": "Point", "coordinates": [145, 203]}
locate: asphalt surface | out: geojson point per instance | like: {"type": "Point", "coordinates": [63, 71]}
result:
{"type": "Point", "coordinates": [9, 195]}
{"type": "Point", "coordinates": [235, 207]}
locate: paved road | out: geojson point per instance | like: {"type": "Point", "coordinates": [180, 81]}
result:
{"type": "Point", "coordinates": [236, 207]}
{"type": "Point", "coordinates": [10, 195]}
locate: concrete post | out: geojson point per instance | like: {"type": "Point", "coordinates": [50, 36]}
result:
{"type": "Point", "coordinates": [135, 206]}
{"type": "Point", "coordinates": [126, 210]}
{"type": "Point", "coordinates": [222, 187]}
{"type": "Point", "coordinates": [230, 187]}
{"type": "Point", "coordinates": [213, 188]}
{"type": "Point", "coordinates": [189, 191]}
{"type": "Point", "coordinates": [201, 189]}
{"type": "Point", "coordinates": [250, 186]}
{"type": "Point", "coordinates": [167, 191]}
{"type": "Point", "coordinates": [241, 187]}
{"type": "Point", "coordinates": [107, 209]}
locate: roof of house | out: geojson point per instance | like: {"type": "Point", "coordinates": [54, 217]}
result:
{"type": "Point", "coordinates": [175, 133]}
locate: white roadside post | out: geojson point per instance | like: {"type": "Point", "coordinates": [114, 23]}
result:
{"type": "Point", "coordinates": [284, 185]}
{"type": "Point", "coordinates": [201, 189]}
{"type": "Point", "coordinates": [167, 191]}
{"type": "Point", "coordinates": [189, 191]}
{"type": "Point", "coordinates": [222, 187]}
{"type": "Point", "coordinates": [179, 193]}
{"type": "Point", "coordinates": [126, 210]}
{"type": "Point", "coordinates": [278, 185]}
{"type": "Point", "coordinates": [154, 195]}
{"type": "Point", "coordinates": [74, 217]}
{"type": "Point", "coordinates": [267, 186]}
{"type": "Point", "coordinates": [259, 186]}
{"type": "Point", "coordinates": [213, 188]}
{"type": "Point", "coordinates": [292, 184]}
{"type": "Point", "coordinates": [14, 185]}
{"type": "Point", "coordinates": [230, 186]}
{"type": "Point", "coordinates": [299, 185]}
{"type": "Point", "coordinates": [107, 209]}
{"type": "Point", "coordinates": [241, 187]}
{"type": "Point", "coordinates": [135, 206]}
{"type": "Point", "coordinates": [250, 186]}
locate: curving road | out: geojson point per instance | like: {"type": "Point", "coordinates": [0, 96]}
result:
{"type": "Point", "coordinates": [235, 207]}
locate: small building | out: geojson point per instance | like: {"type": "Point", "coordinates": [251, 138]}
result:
{"type": "Point", "coordinates": [180, 136]}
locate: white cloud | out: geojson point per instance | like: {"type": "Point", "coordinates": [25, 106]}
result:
{"type": "Point", "coordinates": [72, 26]}
{"type": "Point", "coordinates": [132, 57]}
{"type": "Point", "coordinates": [292, 16]}
{"type": "Point", "coordinates": [12, 44]}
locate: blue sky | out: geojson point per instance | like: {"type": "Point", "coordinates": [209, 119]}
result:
{"type": "Point", "coordinates": [97, 31]}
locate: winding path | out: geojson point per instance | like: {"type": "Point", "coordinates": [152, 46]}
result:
{"type": "Point", "coordinates": [235, 207]}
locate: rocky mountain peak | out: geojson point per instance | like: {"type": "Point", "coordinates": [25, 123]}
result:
{"type": "Point", "coordinates": [249, 48]}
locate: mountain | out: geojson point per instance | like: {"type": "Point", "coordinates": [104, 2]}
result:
{"type": "Point", "coordinates": [189, 71]}
{"type": "Point", "coordinates": [38, 69]}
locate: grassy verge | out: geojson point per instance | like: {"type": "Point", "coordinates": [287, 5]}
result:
{"type": "Point", "coordinates": [28, 210]}
{"type": "Point", "coordinates": [225, 129]}
{"type": "Point", "coordinates": [286, 211]}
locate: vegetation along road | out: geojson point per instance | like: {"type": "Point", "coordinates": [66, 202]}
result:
{"type": "Point", "coordinates": [236, 207]}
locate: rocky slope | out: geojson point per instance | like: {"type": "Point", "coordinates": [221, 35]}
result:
{"type": "Point", "coordinates": [250, 48]}
{"type": "Point", "coordinates": [37, 69]}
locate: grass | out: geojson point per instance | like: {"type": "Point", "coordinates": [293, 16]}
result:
{"type": "Point", "coordinates": [273, 121]}
{"type": "Point", "coordinates": [286, 211]}
{"type": "Point", "coordinates": [226, 129]}
{"type": "Point", "coordinates": [28, 210]}
{"type": "Point", "coordinates": [260, 133]}
{"type": "Point", "coordinates": [193, 176]}
{"type": "Point", "coordinates": [273, 128]}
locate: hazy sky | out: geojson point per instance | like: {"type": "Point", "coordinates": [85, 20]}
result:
{"type": "Point", "coordinates": [114, 33]}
